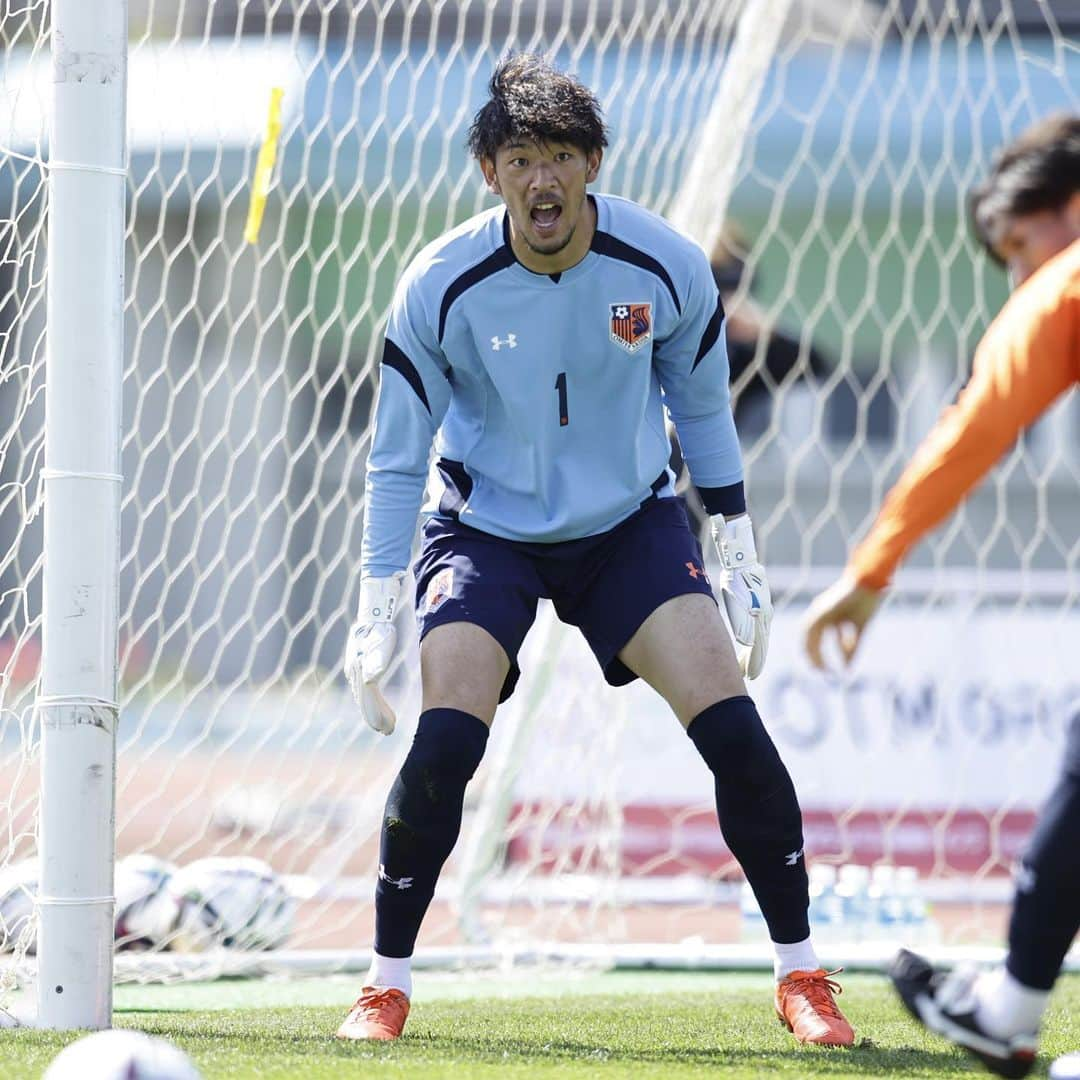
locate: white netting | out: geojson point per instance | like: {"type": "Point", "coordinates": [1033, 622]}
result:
{"type": "Point", "coordinates": [22, 385]}
{"type": "Point", "coordinates": [248, 389]}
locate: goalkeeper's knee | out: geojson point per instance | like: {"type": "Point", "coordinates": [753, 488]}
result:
{"type": "Point", "coordinates": [758, 811]}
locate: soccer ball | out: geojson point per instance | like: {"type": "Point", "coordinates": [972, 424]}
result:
{"type": "Point", "coordinates": [18, 890]}
{"type": "Point", "coordinates": [1066, 1068]}
{"type": "Point", "coordinates": [236, 902]}
{"type": "Point", "coordinates": [121, 1055]}
{"type": "Point", "coordinates": [146, 912]}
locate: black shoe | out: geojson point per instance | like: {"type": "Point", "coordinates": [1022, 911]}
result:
{"type": "Point", "coordinates": [945, 1003]}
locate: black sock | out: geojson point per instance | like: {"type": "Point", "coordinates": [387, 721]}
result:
{"type": "Point", "coordinates": [759, 813]}
{"type": "Point", "coordinates": [422, 822]}
{"type": "Point", "coordinates": [1046, 908]}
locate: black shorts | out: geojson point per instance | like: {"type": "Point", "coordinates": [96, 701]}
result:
{"type": "Point", "coordinates": [606, 585]}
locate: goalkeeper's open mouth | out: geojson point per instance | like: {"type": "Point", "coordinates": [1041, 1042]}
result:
{"type": "Point", "coordinates": [545, 216]}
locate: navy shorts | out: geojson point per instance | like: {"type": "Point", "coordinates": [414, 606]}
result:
{"type": "Point", "coordinates": [1072, 746]}
{"type": "Point", "coordinates": [606, 585]}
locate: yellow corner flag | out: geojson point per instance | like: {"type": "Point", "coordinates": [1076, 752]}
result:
{"type": "Point", "coordinates": [264, 167]}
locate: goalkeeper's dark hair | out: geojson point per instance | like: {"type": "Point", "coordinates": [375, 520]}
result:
{"type": "Point", "coordinates": [1039, 170]}
{"type": "Point", "coordinates": [531, 99]}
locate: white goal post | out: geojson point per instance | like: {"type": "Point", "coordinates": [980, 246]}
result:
{"type": "Point", "coordinates": [232, 264]}
{"type": "Point", "coordinates": [77, 698]}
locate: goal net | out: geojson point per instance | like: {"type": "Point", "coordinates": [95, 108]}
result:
{"type": "Point", "coordinates": [827, 149]}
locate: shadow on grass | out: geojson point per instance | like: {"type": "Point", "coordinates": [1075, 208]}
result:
{"type": "Point", "coordinates": [283, 1037]}
{"type": "Point", "coordinates": [119, 1014]}
{"type": "Point", "coordinates": [806, 1060]}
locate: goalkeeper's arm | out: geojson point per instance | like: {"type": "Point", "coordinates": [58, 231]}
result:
{"type": "Point", "coordinates": [396, 473]}
{"type": "Point", "coordinates": [414, 394]}
{"type": "Point", "coordinates": [692, 366]}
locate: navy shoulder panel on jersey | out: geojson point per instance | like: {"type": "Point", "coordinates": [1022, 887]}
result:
{"type": "Point", "coordinates": [499, 259]}
{"type": "Point", "coordinates": [604, 243]}
{"type": "Point", "coordinates": [454, 262]}
{"type": "Point", "coordinates": [627, 230]}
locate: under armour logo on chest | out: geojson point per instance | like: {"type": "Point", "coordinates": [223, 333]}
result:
{"type": "Point", "coordinates": [510, 341]}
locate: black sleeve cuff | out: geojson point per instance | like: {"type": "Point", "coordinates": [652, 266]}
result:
{"type": "Point", "coordinates": [727, 500]}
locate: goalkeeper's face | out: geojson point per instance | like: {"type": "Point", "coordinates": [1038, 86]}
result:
{"type": "Point", "coordinates": [543, 186]}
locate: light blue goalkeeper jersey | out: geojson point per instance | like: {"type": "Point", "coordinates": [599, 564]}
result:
{"type": "Point", "coordinates": [543, 394]}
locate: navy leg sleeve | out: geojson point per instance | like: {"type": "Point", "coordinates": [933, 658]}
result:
{"type": "Point", "coordinates": [422, 822]}
{"type": "Point", "coordinates": [759, 812]}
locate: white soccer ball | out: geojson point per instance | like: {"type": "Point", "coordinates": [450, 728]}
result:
{"type": "Point", "coordinates": [1066, 1067]}
{"type": "Point", "coordinates": [237, 902]}
{"type": "Point", "coordinates": [121, 1055]}
{"type": "Point", "coordinates": [146, 912]}
{"type": "Point", "coordinates": [18, 891]}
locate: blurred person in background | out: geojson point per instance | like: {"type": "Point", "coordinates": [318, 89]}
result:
{"type": "Point", "coordinates": [1027, 216]}
{"type": "Point", "coordinates": [773, 357]}
{"type": "Point", "coordinates": [764, 360]}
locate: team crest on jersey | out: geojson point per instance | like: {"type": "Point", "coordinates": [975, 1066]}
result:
{"type": "Point", "coordinates": [439, 590]}
{"type": "Point", "coordinates": [631, 325]}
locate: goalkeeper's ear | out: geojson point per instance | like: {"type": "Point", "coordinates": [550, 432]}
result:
{"type": "Point", "coordinates": [491, 178]}
{"type": "Point", "coordinates": [592, 166]}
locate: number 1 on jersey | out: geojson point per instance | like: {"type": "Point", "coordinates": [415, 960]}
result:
{"type": "Point", "coordinates": [564, 413]}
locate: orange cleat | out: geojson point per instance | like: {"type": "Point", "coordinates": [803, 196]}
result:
{"type": "Point", "coordinates": [377, 1014]}
{"type": "Point", "coordinates": [805, 1003]}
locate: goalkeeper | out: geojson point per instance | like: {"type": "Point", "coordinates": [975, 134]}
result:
{"type": "Point", "coordinates": [537, 346]}
{"type": "Point", "coordinates": [1027, 214]}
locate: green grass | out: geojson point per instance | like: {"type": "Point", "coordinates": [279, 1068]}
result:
{"type": "Point", "coordinates": [649, 1025]}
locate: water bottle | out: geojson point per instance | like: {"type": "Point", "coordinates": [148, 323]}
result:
{"type": "Point", "coordinates": [826, 915]}
{"type": "Point", "coordinates": [887, 906]}
{"type": "Point", "coordinates": [852, 887]}
{"type": "Point", "coordinates": [752, 922]}
{"type": "Point", "coordinates": [912, 904]}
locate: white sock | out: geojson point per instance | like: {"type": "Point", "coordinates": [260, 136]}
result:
{"type": "Point", "coordinates": [797, 957]}
{"type": "Point", "coordinates": [390, 971]}
{"type": "Point", "coordinates": [1005, 1007]}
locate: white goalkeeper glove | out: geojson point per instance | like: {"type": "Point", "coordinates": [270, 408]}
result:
{"type": "Point", "coordinates": [372, 640]}
{"type": "Point", "coordinates": [745, 591]}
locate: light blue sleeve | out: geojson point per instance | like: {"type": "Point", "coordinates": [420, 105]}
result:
{"type": "Point", "coordinates": [414, 393]}
{"type": "Point", "coordinates": [692, 366]}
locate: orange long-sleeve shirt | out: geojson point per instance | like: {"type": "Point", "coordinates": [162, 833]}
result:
{"type": "Point", "coordinates": [1028, 357]}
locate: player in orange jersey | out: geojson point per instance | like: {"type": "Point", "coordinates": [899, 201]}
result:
{"type": "Point", "coordinates": [1027, 214]}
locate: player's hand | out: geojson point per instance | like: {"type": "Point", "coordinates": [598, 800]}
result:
{"type": "Point", "coordinates": [745, 591]}
{"type": "Point", "coordinates": [372, 640]}
{"type": "Point", "coordinates": [845, 607]}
